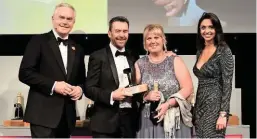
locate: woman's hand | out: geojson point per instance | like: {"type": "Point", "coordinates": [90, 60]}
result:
{"type": "Point", "coordinates": [153, 96]}
{"type": "Point", "coordinates": [162, 109]}
{"type": "Point", "coordinates": [221, 123]}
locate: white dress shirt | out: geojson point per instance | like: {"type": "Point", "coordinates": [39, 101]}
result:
{"type": "Point", "coordinates": [64, 54]}
{"type": "Point", "coordinates": [121, 63]}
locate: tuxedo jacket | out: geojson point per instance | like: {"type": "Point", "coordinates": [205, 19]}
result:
{"type": "Point", "coordinates": [102, 79]}
{"type": "Point", "coordinates": [40, 67]}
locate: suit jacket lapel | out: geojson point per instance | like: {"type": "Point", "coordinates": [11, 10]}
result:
{"type": "Point", "coordinates": [54, 46]}
{"type": "Point", "coordinates": [71, 57]}
{"type": "Point", "coordinates": [112, 64]}
{"type": "Point", "coordinates": [130, 61]}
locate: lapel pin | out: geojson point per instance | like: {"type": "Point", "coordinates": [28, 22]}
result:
{"type": "Point", "coordinates": [73, 48]}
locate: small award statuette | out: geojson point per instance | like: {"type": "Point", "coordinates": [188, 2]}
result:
{"type": "Point", "coordinates": [132, 88]}
{"type": "Point", "coordinates": [18, 115]}
{"type": "Point", "coordinates": [154, 105]}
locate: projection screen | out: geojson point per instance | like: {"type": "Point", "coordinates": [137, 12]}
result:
{"type": "Point", "coordinates": [176, 16]}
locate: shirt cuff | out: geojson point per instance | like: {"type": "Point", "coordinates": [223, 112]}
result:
{"type": "Point", "coordinates": [111, 100]}
{"type": "Point", "coordinates": [52, 91]}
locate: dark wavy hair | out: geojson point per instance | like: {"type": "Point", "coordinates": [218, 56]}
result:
{"type": "Point", "coordinates": [219, 36]}
{"type": "Point", "coordinates": [119, 19]}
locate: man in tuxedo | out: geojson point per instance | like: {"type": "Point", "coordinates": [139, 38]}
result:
{"type": "Point", "coordinates": [53, 66]}
{"type": "Point", "coordinates": [114, 113]}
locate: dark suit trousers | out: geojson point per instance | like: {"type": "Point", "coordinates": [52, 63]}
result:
{"type": "Point", "coordinates": [125, 128]}
{"type": "Point", "coordinates": [61, 131]}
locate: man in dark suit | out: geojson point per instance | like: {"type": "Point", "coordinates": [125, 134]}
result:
{"type": "Point", "coordinates": [53, 66]}
{"type": "Point", "coordinates": [114, 113]}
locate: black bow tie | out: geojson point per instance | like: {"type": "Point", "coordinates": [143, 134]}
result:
{"type": "Point", "coordinates": [64, 41]}
{"type": "Point", "coordinates": [118, 53]}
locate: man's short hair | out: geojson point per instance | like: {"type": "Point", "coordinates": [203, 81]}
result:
{"type": "Point", "coordinates": [119, 19]}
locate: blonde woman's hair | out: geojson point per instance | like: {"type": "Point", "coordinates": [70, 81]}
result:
{"type": "Point", "coordinates": [157, 29]}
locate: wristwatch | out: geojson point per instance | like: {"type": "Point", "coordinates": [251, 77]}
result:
{"type": "Point", "coordinates": [223, 115]}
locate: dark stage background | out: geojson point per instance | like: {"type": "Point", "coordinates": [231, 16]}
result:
{"type": "Point", "coordinates": [243, 46]}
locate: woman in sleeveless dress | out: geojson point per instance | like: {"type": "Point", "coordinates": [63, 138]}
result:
{"type": "Point", "coordinates": [172, 77]}
{"type": "Point", "coordinates": [214, 69]}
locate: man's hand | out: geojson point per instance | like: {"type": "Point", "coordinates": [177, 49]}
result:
{"type": "Point", "coordinates": [62, 88]}
{"type": "Point", "coordinates": [76, 92]}
{"type": "Point", "coordinates": [120, 94]}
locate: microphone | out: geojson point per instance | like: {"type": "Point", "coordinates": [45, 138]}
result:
{"type": "Point", "coordinates": [133, 88]}
{"type": "Point", "coordinates": [128, 72]}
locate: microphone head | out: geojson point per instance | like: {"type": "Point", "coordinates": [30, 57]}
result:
{"type": "Point", "coordinates": [127, 71]}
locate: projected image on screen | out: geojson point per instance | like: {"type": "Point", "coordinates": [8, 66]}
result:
{"type": "Point", "coordinates": [181, 16]}
{"type": "Point", "coordinates": [92, 16]}
{"type": "Point", "coordinates": [34, 16]}
{"type": "Point", "coordinates": [181, 12]}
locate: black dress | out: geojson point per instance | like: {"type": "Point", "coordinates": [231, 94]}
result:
{"type": "Point", "coordinates": [213, 92]}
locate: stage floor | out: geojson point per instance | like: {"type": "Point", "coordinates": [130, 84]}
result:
{"type": "Point", "coordinates": [240, 131]}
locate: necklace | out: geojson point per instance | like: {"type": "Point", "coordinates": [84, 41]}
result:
{"type": "Point", "coordinates": [162, 57]}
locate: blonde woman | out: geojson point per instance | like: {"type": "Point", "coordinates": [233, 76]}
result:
{"type": "Point", "coordinates": [174, 86]}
